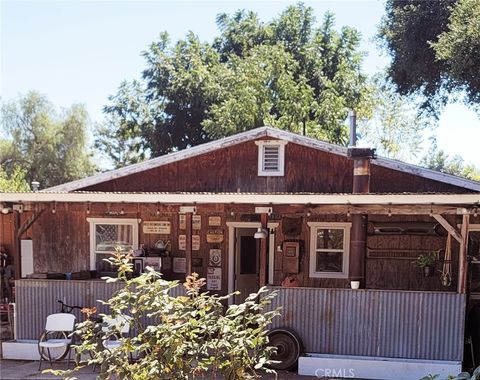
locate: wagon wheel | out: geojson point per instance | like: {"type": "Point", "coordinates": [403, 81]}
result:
{"type": "Point", "coordinates": [289, 347]}
{"type": "Point", "coordinates": [55, 353]}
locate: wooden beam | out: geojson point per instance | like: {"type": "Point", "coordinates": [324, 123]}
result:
{"type": "Point", "coordinates": [440, 219]}
{"type": "Point", "coordinates": [17, 264]}
{"type": "Point", "coordinates": [262, 278]}
{"type": "Point", "coordinates": [188, 249]}
{"type": "Point", "coordinates": [462, 256]}
{"type": "Point", "coordinates": [28, 223]}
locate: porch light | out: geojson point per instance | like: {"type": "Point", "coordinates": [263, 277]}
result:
{"type": "Point", "coordinates": [261, 233]}
{"type": "Point", "coordinates": [6, 210]}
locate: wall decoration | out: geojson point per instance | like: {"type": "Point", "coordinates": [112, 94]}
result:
{"type": "Point", "coordinates": [215, 236]}
{"type": "Point", "coordinates": [215, 258]}
{"type": "Point", "coordinates": [182, 221]}
{"type": "Point", "coordinates": [196, 222]}
{"type": "Point", "coordinates": [154, 262]}
{"type": "Point", "coordinates": [214, 278]}
{"type": "Point", "coordinates": [179, 264]}
{"type": "Point", "coordinates": [137, 265]}
{"type": "Point", "coordinates": [196, 243]}
{"type": "Point", "coordinates": [197, 262]}
{"type": "Point", "coordinates": [166, 264]}
{"type": "Point", "coordinates": [182, 242]}
{"type": "Point", "coordinates": [215, 221]}
{"type": "Point", "coordinates": [162, 227]}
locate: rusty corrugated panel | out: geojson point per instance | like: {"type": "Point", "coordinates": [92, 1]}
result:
{"type": "Point", "coordinates": [36, 299]}
{"type": "Point", "coordinates": [398, 324]}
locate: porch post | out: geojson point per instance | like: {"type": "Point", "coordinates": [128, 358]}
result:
{"type": "Point", "coordinates": [262, 279]}
{"type": "Point", "coordinates": [17, 265]}
{"type": "Point", "coordinates": [462, 256]}
{"type": "Point", "coordinates": [188, 248]}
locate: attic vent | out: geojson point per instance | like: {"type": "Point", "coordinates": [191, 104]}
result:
{"type": "Point", "coordinates": [271, 157]}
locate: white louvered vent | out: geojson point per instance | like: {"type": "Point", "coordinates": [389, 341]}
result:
{"type": "Point", "coordinates": [271, 157]}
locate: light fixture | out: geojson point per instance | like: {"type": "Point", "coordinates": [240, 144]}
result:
{"type": "Point", "coordinates": [6, 210]}
{"type": "Point", "coordinates": [261, 233]}
{"type": "Point", "coordinates": [35, 186]}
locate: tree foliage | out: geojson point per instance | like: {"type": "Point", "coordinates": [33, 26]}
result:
{"type": "Point", "coordinates": [396, 129]}
{"type": "Point", "coordinates": [13, 182]}
{"type": "Point", "coordinates": [47, 147]}
{"type": "Point", "coordinates": [288, 73]}
{"type": "Point", "coordinates": [435, 49]}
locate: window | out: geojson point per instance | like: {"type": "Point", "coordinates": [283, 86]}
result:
{"type": "Point", "coordinates": [105, 235]}
{"type": "Point", "coordinates": [329, 249]}
{"type": "Point", "coordinates": [271, 157]}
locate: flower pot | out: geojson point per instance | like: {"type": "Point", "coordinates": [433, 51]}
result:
{"type": "Point", "coordinates": [355, 284]}
{"type": "Point", "coordinates": [428, 271]}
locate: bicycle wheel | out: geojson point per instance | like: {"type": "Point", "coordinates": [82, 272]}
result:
{"type": "Point", "coordinates": [56, 353]}
{"type": "Point", "coordinates": [289, 348]}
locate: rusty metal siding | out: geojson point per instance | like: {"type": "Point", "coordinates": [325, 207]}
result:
{"type": "Point", "coordinates": [396, 324]}
{"type": "Point", "coordinates": [35, 299]}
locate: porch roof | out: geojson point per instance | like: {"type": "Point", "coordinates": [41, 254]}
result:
{"type": "Point", "coordinates": [460, 200]}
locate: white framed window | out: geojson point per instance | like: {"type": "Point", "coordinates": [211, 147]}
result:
{"type": "Point", "coordinates": [329, 249]}
{"type": "Point", "coordinates": [271, 157]}
{"type": "Point", "coordinates": [108, 233]}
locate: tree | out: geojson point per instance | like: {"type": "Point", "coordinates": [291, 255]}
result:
{"type": "Point", "coordinates": [15, 181]}
{"type": "Point", "coordinates": [396, 128]}
{"type": "Point", "coordinates": [435, 49]}
{"type": "Point", "coordinates": [286, 73]}
{"type": "Point", "coordinates": [438, 160]}
{"type": "Point", "coordinates": [49, 148]}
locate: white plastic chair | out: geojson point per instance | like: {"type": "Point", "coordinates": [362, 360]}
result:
{"type": "Point", "coordinates": [57, 337]}
{"type": "Point", "coordinates": [122, 324]}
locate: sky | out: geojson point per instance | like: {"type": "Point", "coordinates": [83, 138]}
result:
{"type": "Point", "coordinates": [80, 51]}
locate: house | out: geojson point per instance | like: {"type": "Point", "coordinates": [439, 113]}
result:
{"type": "Point", "coordinates": [267, 207]}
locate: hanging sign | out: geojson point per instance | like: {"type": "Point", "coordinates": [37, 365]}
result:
{"type": "Point", "coordinates": [182, 242]}
{"type": "Point", "coordinates": [214, 278]}
{"type": "Point", "coordinates": [157, 227]}
{"type": "Point", "coordinates": [215, 236]}
{"type": "Point", "coordinates": [182, 222]}
{"type": "Point", "coordinates": [215, 258]}
{"type": "Point", "coordinates": [196, 222]}
{"type": "Point", "coordinates": [215, 221]}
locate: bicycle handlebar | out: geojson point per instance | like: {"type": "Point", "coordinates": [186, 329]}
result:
{"type": "Point", "coordinates": [68, 308]}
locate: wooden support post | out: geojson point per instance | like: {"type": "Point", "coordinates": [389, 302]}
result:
{"type": "Point", "coordinates": [16, 255]}
{"type": "Point", "coordinates": [262, 278]}
{"type": "Point", "coordinates": [188, 249]}
{"type": "Point", "coordinates": [462, 256]}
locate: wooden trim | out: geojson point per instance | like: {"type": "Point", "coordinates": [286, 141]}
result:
{"type": "Point", "coordinates": [263, 254]}
{"type": "Point", "coordinates": [440, 219]}
{"type": "Point", "coordinates": [28, 223]}
{"type": "Point", "coordinates": [188, 248]}
{"type": "Point", "coordinates": [462, 256]}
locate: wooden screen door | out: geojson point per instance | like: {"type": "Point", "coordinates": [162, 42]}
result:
{"type": "Point", "coordinates": [246, 263]}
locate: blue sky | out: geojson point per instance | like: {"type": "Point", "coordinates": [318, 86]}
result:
{"type": "Point", "coordinates": [80, 51]}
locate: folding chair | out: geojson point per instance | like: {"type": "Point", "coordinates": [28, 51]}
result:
{"type": "Point", "coordinates": [54, 343]}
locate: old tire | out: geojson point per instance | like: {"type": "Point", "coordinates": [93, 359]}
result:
{"type": "Point", "coordinates": [289, 347]}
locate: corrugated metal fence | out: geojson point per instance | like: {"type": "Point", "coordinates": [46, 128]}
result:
{"type": "Point", "coordinates": [35, 299]}
{"type": "Point", "coordinates": [396, 324]}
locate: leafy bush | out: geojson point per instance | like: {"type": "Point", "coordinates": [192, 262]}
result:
{"type": "Point", "coordinates": [183, 337]}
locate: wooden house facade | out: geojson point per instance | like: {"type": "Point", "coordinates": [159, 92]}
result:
{"type": "Point", "coordinates": [268, 207]}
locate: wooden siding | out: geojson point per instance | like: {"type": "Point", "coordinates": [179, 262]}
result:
{"type": "Point", "coordinates": [61, 243]}
{"type": "Point", "coordinates": [235, 168]}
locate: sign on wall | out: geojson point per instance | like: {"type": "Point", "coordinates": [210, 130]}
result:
{"type": "Point", "coordinates": [179, 264]}
{"type": "Point", "coordinates": [215, 236]}
{"type": "Point", "coordinates": [215, 258]}
{"type": "Point", "coordinates": [214, 278]}
{"type": "Point", "coordinates": [196, 222]}
{"type": "Point", "coordinates": [182, 242]}
{"type": "Point", "coordinates": [157, 227]}
{"type": "Point", "coordinates": [215, 221]}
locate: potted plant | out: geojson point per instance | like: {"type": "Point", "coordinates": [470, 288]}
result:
{"type": "Point", "coordinates": [427, 262]}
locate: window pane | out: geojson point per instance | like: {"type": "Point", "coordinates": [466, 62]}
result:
{"type": "Point", "coordinates": [109, 236]}
{"type": "Point", "coordinates": [330, 238]}
{"type": "Point", "coordinates": [329, 262]}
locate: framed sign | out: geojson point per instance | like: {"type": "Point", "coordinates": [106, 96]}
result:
{"type": "Point", "coordinates": [182, 222]}
{"type": "Point", "coordinates": [215, 236]}
{"type": "Point", "coordinates": [166, 263]}
{"type": "Point", "coordinates": [215, 221]}
{"type": "Point", "coordinates": [196, 222]}
{"type": "Point", "coordinates": [182, 242]}
{"type": "Point", "coordinates": [154, 262]}
{"type": "Point", "coordinates": [214, 278]}
{"type": "Point", "coordinates": [197, 262]}
{"type": "Point", "coordinates": [215, 258]}
{"type": "Point", "coordinates": [179, 264]}
{"type": "Point", "coordinates": [138, 265]}
{"type": "Point", "coordinates": [157, 227]}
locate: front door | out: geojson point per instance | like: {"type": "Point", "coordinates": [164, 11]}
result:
{"type": "Point", "coordinates": [246, 262]}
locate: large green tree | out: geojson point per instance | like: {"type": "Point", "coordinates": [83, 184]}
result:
{"type": "Point", "coordinates": [288, 73]}
{"type": "Point", "coordinates": [46, 146]}
{"type": "Point", "coordinates": [435, 49]}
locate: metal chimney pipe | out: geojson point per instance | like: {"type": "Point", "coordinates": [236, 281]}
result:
{"type": "Point", "coordinates": [352, 115]}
